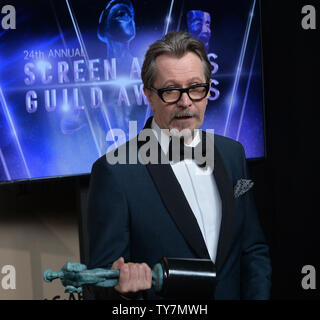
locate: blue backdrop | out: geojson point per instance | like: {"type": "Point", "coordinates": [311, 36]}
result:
{"type": "Point", "coordinates": [70, 74]}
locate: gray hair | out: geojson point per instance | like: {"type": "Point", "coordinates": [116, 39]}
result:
{"type": "Point", "coordinates": [175, 44]}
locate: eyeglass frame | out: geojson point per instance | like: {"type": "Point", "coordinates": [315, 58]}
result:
{"type": "Point", "coordinates": [160, 92]}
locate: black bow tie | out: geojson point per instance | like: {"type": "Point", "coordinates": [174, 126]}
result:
{"type": "Point", "coordinates": [178, 151]}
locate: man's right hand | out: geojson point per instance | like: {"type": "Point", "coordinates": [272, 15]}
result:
{"type": "Point", "coordinates": [134, 277]}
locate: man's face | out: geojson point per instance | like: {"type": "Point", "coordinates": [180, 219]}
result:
{"type": "Point", "coordinates": [179, 73]}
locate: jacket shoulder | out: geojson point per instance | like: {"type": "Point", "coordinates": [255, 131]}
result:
{"type": "Point", "coordinates": [228, 144]}
{"type": "Point", "coordinates": [232, 154]}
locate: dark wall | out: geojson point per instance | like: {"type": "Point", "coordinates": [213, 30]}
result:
{"type": "Point", "coordinates": [286, 183]}
{"type": "Point", "coordinates": [38, 231]}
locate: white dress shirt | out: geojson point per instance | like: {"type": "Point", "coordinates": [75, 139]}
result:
{"type": "Point", "coordinates": [200, 191]}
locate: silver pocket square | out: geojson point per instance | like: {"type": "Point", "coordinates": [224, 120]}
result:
{"type": "Point", "coordinates": [242, 186]}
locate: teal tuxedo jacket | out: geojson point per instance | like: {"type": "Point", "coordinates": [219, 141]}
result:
{"type": "Point", "coordinates": [140, 212]}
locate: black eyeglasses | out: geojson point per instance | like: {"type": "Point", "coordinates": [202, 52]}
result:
{"type": "Point", "coordinates": [196, 92]}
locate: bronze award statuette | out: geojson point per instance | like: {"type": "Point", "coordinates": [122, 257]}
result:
{"type": "Point", "coordinates": [171, 277]}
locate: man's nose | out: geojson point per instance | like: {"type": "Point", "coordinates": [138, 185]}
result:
{"type": "Point", "coordinates": [185, 101]}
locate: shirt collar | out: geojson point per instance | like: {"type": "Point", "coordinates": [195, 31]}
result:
{"type": "Point", "coordinates": [164, 139]}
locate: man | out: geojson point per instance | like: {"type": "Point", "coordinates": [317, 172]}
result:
{"type": "Point", "coordinates": [139, 213]}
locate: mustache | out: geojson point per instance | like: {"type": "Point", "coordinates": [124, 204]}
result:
{"type": "Point", "coordinates": [182, 114]}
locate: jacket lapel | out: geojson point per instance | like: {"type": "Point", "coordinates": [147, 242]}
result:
{"type": "Point", "coordinates": [177, 205]}
{"type": "Point", "coordinates": [228, 215]}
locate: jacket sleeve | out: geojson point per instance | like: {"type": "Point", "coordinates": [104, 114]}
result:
{"type": "Point", "coordinates": [108, 218]}
{"type": "Point", "coordinates": [255, 259]}
{"type": "Point", "coordinates": [107, 226]}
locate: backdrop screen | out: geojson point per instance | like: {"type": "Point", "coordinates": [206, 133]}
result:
{"type": "Point", "coordinates": [70, 76]}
